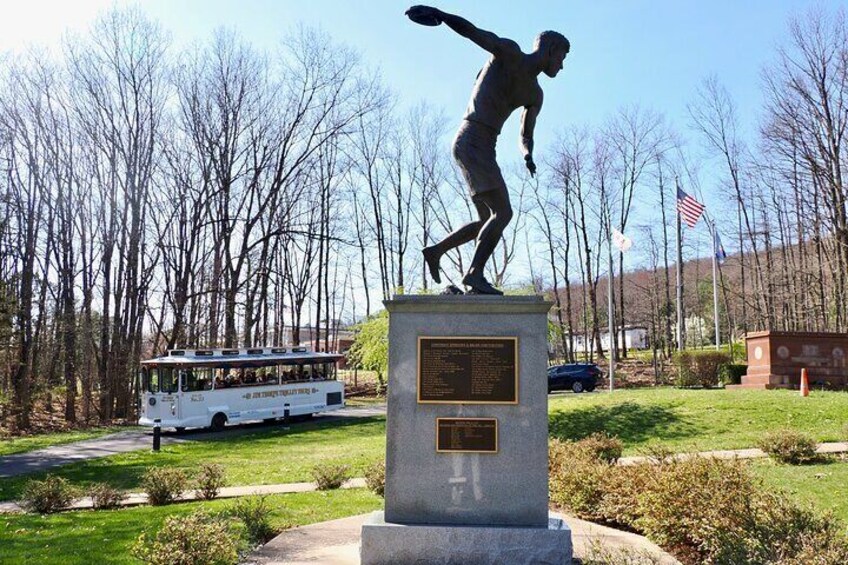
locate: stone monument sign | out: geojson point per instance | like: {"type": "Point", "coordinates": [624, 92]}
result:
{"type": "Point", "coordinates": [775, 359]}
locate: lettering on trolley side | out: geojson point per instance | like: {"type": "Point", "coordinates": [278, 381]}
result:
{"type": "Point", "coordinates": [276, 393]}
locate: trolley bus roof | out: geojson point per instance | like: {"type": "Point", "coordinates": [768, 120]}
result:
{"type": "Point", "coordinates": [259, 356]}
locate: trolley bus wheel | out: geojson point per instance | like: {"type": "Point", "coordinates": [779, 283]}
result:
{"type": "Point", "coordinates": [219, 420]}
{"type": "Point", "coordinates": [180, 430]}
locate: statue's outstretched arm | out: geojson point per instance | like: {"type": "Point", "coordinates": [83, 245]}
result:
{"type": "Point", "coordinates": [497, 46]}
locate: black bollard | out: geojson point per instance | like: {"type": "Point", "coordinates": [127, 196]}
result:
{"type": "Point", "coordinates": [157, 434]}
{"type": "Point", "coordinates": [286, 414]}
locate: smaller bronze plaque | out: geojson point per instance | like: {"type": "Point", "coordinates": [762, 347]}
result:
{"type": "Point", "coordinates": [466, 435]}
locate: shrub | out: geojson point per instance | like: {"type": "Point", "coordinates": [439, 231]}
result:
{"type": "Point", "coordinates": [328, 477]}
{"type": "Point", "coordinates": [684, 364]}
{"type": "Point", "coordinates": [732, 373]}
{"type": "Point", "coordinates": [774, 530]}
{"type": "Point", "coordinates": [375, 478]}
{"type": "Point", "coordinates": [196, 539]}
{"type": "Point", "coordinates": [104, 496]}
{"type": "Point", "coordinates": [50, 495]}
{"type": "Point", "coordinates": [703, 510]}
{"type": "Point", "coordinates": [574, 478]}
{"type": "Point", "coordinates": [590, 485]}
{"type": "Point", "coordinates": [255, 513]}
{"type": "Point", "coordinates": [621, 486]}
{"type": "Point", "coordinates": [605, 447]}
{"type": "Point", "coordinates": [826, 546]}
{"type": "Point", "coordinates": [699, 368]}
{"type": "Point", "coordinates": [163, 485]}
{"type": "Point", "coordinates": [789, 446]}
{"type": "Point", "coordinates": [209, 481]}
{"type": "Point", "coordinates": [690, 501]}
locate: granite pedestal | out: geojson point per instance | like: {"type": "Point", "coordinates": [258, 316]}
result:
{"type": "Point", "coordinates": [466, 507]}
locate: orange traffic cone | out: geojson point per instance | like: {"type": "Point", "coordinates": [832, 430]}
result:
{"type": "Point", "coordinates": [805, 383]}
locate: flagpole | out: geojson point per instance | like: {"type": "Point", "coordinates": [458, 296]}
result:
{"type": "Point", "coordinates": [679, 276]}
{"type": "Point", "coordinates": [610, 311]}
{"type": "Point", "coordinates": [715, 286]}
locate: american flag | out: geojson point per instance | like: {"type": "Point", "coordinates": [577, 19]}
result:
{"type": "Point", "coordinates": [689, 208]}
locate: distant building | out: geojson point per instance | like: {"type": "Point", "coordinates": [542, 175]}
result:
{"type": "Point", "coordinates": [340, 338]}
{"type": "Point", "coordinates": [635, 337]}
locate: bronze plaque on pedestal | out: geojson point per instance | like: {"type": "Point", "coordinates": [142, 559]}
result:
{"type": "Point", "coordinates": [466, 435]}
{"type": "Point", "coordinates": [468, 370]}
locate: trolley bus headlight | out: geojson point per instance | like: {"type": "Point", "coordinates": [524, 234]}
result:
{"type": "Point", "coordinates": [152, 401]}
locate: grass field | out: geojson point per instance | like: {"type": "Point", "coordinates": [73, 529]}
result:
{"type": "Point", "coordinates": [682, 420]}
{"type": "Point", "coordinates": [22, 444]}
{"type": "Point", "coordinates": [106, 536]}
{"type": "Point", "coordinates": [825, 485]}
{"type": "Point", "coordinates": [696, 420]}
{"type": "Point", "coordinates": [251, 456]}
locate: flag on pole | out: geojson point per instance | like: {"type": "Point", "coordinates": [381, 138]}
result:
{"type": "Point", "coordinates": [689, 208]}
{"type": "Point", "coordinates": [621, 241]}
{"type": "Point", "coordinates": [721, 255]}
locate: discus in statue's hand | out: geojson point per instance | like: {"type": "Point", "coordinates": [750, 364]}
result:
{"type": "Point", "coordinates": [423, 15]}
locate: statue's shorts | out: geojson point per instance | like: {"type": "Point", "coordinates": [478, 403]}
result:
{"type": "Point", "coordinates": [474, 151]}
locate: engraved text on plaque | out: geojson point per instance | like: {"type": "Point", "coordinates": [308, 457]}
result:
{"type": "Point", "coordinates": [466, 435]}
{"type": "Point", "coordinates": [472, 370]}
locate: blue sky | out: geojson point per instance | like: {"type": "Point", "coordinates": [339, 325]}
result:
{"type": "Point", "coordinates": [651, 53]}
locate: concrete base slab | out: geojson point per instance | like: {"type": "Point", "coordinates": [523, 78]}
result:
{"type": "Point", "coordinates": [384, 543]}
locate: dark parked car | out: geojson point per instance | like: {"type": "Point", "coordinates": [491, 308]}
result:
{"type": "Point", "coordinates": [578, 377]}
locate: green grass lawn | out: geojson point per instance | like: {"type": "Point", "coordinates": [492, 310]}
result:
{"type": "Point", "coordinates": [696, 420]}
{"type": "Point", "coordinates": [12, 445]}
{"type": "Point", "coordinates": [106, 536]}
{"type": "Point", "coordinates": [682, 420]}
{"type": "Point", "coordinates": [250, 456]}
{"type": "Point", "coordinates": [824, 485]}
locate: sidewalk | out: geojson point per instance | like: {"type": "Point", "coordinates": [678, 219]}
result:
{"type": "Point", "coordinates": [337, 542]}
{"type": "Point", "coordinates": [752, 453]}
{"type": "Point", "coordinates": [49, 457]}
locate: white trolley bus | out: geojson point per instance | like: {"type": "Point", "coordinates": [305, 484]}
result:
{"type": "Point", "coordinates": [212, 387]}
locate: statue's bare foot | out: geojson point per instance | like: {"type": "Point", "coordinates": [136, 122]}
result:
{"type": "Point", "coordinates": [479, 285]}
{"type": "Point", "coordinates": [431, 257]}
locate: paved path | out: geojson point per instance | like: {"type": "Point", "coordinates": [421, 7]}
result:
{"type": "Point", "coordinates": [122, 442]}
{"type": "Point", "coordinates": [42, 459]}
{"type": "Point", "coordinates": [753, 453]}
{"type": "Point", "coordinates": [337, 542]}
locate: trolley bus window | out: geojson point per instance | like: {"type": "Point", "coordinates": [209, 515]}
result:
{"type": "Point", "coordinates": [168, 379]}
{"type": "Point", "coordinates": [195, 379]}
{"type": "Point", "coordinates": [267, 375]}
{"type": "Point", "coordinates": [226, 377]}
{"type": "Point", "coordinates": [286, 373]}
{"type": "Point", "coordinates": [152, 378]}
